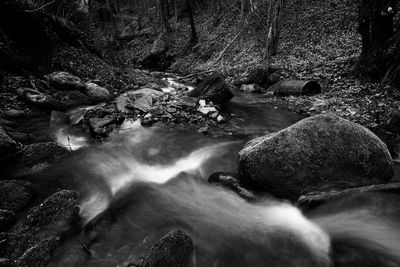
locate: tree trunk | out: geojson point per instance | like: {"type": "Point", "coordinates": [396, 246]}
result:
{"type": "Point", "coordinates": [176, 13]}
{"type": "Point", "coordinates": [275, 15]}
{"type": "Point", "coordinates": [164, 16]}
{"type": "Point", "coordinates": [376, 26]}
{"type": "Point", "coordinates": [192, 25]}
{"type": "Point", "coordinates": [244, 8]}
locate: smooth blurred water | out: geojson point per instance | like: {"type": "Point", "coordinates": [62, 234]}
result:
{"type": "Point", "coordinates": [142, 182]}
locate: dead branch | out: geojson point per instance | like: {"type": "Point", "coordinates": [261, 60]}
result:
{"type": "Point", "coordinates": [195, 74]}
{"type": "Point", "coordinates": [227, 46]}
{"type": "Point", "coordinates": [39, 8]}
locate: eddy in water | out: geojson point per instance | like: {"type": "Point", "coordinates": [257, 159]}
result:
{"type": "Point", "coordinates": [129, 204]}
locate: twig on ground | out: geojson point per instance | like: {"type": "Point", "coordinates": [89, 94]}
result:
{"type": "Point", "coordinates": [226, 47]}
{"type": "Point", "coordinates": [195, 74]}
{"type": "Point", "coordinates": [85, 248]}
{"type": "Point", "coordinates": [39, 8]}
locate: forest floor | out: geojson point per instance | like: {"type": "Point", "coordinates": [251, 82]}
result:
{"type": "Point", "coordinates": [319, 41]}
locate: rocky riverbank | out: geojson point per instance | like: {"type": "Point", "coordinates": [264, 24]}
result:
{"type": "Point", "coordinates": [323, 153]}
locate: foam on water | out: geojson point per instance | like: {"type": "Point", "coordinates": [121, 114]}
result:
{"type": "Point", "coordinates": [119, 168]}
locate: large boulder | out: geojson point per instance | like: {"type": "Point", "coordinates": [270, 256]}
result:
{"type": "Point", "coordinates": [65, 81]}
{"type": "Point", "coordinates": [96, 93]}
{"type": "Point", "coordinates": [213, 88]}
{"type": "Point", "coordinates": [173, 250]}
{"type": "Point", "coordinates": [317, 153]}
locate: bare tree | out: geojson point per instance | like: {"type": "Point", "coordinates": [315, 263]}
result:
{"type": "Point", "coordinates": [244, 8]}
{"type": "Point", "coordinates": [192, 25]}
{"type": "Point", "coordinates": [162, 5]}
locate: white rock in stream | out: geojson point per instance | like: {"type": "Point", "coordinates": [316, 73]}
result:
{"type": "Point", "coordinates": [207, 110]}
{"type": "Point", "coordinates": [220, 119]}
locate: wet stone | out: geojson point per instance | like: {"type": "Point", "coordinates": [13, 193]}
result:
{"type": "Point", "coordinates": [96, 93]}
{"type": "Point", "coordinates": [207, 110]}
{"type": "Point", "coordinates": [58, 118]}
{"type": "Point", "coordinates": [65, 81]}
{"type": "Point", "coordinates": [173, 250]}
{"type": "Point", "coordinates": [61, 206]}
{"type": "Point", "coordinates": [229, 181]}
{"type": "Point", "coordinates": [34, 157]}
{"type": "Point", "coordinates": [14, 113]}
{"type": "Point", "coordinates": [146, 123]}
{"type": "Point", "coordinates": [203, 130]}
{"type": "Point", "coordinates": [23, 138]}
{"type": "Point", "coordinates": [171, 110]}
{"type": "Point", "coordinates": [40, 255]}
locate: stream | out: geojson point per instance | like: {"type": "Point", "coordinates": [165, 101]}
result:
{"type": "Point", "coordinates": [140, 183]}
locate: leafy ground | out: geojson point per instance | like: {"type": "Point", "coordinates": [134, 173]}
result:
{"type": "Point", "coordinates": [319, 41]}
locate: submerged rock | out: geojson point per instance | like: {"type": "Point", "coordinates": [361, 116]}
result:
{"type": "Point", "coordinates": [23, 138]}
{"type": "Point", "coordinates": [213, 88]}
{"type": "Point", "coordinates": [324, 151]}
{"type": "Point", "coordinates": [58, 119]}
{"type": "Point", "coordinates": [98, 126]}
{"type": "Point", "coordinates": [173, 250]}
{"type": "Point", "coordinates": [15, 194]}
{"type": "Point", "coordinates": [96, 93]}
{"type": "Point", "coordinates": [65, 81]}
{"type": "Point", "coordinates": [230, 182]}
{"type": "Point", "coordinates": [60, 207]}
{"type": "Point", "coordinates": [251, 88]}
{"type": "Point", "coordinates": [14, 113]}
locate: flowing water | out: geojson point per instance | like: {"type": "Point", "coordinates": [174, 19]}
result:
{"type": "Point", "coordinates": [143, 182]}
